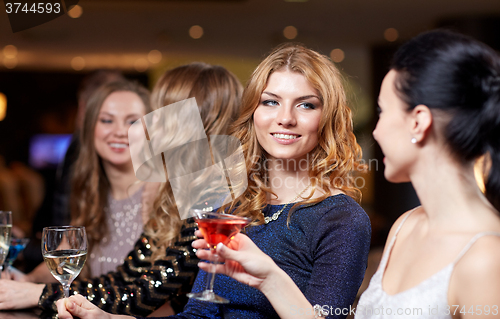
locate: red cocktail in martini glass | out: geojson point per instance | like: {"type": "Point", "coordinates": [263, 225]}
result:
{"type": "Point", "coordinates": [216, 228]}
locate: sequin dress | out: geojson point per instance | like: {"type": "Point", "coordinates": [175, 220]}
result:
{"type": "Point", "coordinates": [324, 250]}
{"type": "Point", "coordinates": [125, 224]}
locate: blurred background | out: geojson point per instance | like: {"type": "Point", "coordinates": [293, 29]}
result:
{"type": "Point", "coordinates": [41, 68]}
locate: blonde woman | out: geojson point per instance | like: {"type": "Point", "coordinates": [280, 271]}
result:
{"type": "Point", "coordinates": [296, 131]}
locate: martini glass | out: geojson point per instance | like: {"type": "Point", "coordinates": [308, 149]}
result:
{"type": "Point", "coordinates": [216, 228]}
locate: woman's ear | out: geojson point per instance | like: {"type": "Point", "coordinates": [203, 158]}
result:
{"type": "Point", "coordinates": [421, 122]}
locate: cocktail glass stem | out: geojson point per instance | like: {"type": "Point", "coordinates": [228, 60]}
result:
{"type": "Point", "coordinates": [210, 283]}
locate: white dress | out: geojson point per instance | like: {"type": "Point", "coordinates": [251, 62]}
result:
{"type": "Point", "coordinates": [429, 299]}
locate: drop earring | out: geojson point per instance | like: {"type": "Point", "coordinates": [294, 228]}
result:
{"type": "Point", "coordinates": [414, 140]}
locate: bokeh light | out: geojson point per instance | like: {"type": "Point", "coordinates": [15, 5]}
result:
{"type": "Point", "coordinates": [290, 32]}
{"type": "Point", "coordinates": [75, 11]}
{"type": "Point", "coordinates": [10, 51]}
{"type": "Point", "coordinates": [337, 55]}
{"type": "Point", "coordinates": [154, 56]}
{"type": "Point", "coordinates": [78, 63]}
{"type": "Point", "coordinates": [196, 32]}
{"type": "Point", "coordinates": [391, 34]}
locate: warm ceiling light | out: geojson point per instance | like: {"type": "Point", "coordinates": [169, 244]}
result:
{"type": "Point", "coordinates": [391, 34]}
{"type": "Point", "coordinates": [141, 65]}
{"type": "Point", "coordinates": [77, 63]}
{"type": "Point", "coordinates": [196, 32]}
{"type": "Point", "coordinates": [337, 55]}
{"type": "Point", "coordinates": [3, 106]}
{"type": "Point", "coordinates": [75, 11]}
{"type": "Point", "coordinates": [154, 56]}
{"type": "Point", "coordinates": [10, 51]}
{"type": "Point", "coordinates": [10, 63]}
{"type": "Point", "coordinates": [290, 32]}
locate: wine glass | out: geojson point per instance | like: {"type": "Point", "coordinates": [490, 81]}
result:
{"type": "Point", "coordinates": [5, 230]}
{"type": "Point", "coordinates": [216, 228]}
{"type": "Point", "coordinates": [64, 249]}
{"type": "Point", "coordinates": [17, 245]}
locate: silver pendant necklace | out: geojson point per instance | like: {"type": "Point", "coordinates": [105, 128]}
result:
{"type": "Point", "coordinates": [275, 216]}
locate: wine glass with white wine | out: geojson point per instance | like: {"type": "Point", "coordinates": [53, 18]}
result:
{"type": "Point", "coordinates": [64, 249]}
{"type": "Point", "coordinates": [5, 230]}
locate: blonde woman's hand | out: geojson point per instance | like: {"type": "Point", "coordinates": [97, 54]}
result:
{"type": "Point", "coordinates": [242, 260]}
{"type": "Point", "coordinates": [19, 295]}
{"type": "Point", "coordinates": [79, 306]}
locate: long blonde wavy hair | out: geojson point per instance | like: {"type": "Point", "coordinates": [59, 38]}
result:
{"type": "Point", "coordinates": [218, 95]}
{"type": "Point", "coordinates": [331, 162]}
{"type": "Point", "coordinates": [90, 185]}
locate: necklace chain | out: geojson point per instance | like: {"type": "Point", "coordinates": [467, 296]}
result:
{"type": "Point", "coordinates": [275, 216]}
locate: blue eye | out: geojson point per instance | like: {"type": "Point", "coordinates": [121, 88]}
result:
{"type": "Point", "coordinates": [309, 106]}
{"type": "Point", "coordinates": [269, 103]}
{"type": "Point", "coordinates": [105, 121]}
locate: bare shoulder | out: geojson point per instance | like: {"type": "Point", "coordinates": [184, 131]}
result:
{"type": "Point", "coordinates": [409, 223]}
{"type": "Point", "coordinates": [482, 256]}
{"type": "Point", "coordinates": [477, 274]}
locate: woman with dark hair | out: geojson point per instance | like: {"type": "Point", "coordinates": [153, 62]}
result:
{"type": "Point", "coordinates": [439, 112]}
{"type": "Point", "coordinates": [163, 253]}
{"type": "Point", "coordinates": [300, 151]}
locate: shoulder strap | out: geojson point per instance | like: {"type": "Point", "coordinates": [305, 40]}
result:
{"type": "Point", "coordinates": [404, 220]}
{"type": "Point", "coordinates": [393, 240]}
{"type": "Point", "coordinates": [472, 241]}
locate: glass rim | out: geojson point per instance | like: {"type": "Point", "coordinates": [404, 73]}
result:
{"type": "Point", "coordinates": [62, 228]}
{"type": "Point", "coordinates": [223, 215]}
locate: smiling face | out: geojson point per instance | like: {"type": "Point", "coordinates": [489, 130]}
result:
{"type": "Point", "coordinates": [118, 112]}
{"type": "Point", "coordinates": [288, 116]}
{"type": "Point", "coordinates": [393, 132]}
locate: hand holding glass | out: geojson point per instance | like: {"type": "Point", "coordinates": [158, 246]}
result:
{"type": "Point", "coordinates": [64, 250]}
{"type": "Point", "coordinates": [216, 228]}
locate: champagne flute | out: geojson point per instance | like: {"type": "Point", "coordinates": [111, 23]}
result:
{"type": "Point", "coordinates": [216, 228]}
{"type": "Point", "coordinates": [64, 249]}
{"type": "Point", "coordinates": [5, 230]}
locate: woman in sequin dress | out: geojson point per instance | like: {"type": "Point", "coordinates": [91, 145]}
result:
{"type": "Point", "coordinates": [300, 152]}
{"type": "Point", "coordinates": [439, 112]}
{"type": "Point", "coordinates": [162, 265]}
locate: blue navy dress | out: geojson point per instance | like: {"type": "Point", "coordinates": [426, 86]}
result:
{"type": "Point", "coordinates": [324, 250]}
